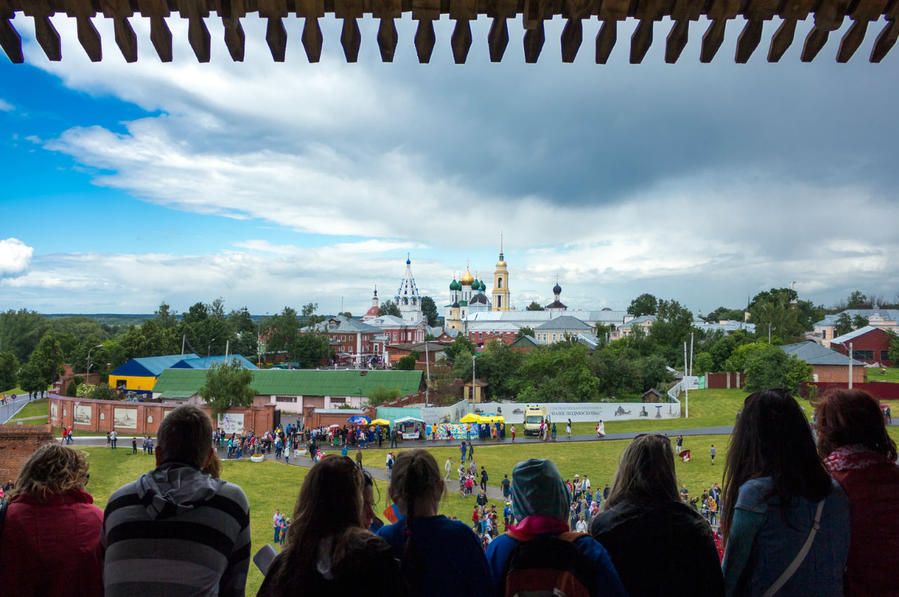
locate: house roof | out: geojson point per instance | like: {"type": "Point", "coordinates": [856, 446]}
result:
{"type": "Point", "coordinates": [564, 323]}
{"type": "Point", "coordinates": [828, 17]}
{"type": "Point", "coordinates": [856, 334]}
{"type": "Point", "coordinates": [729, 325]}
{"type": "Point", "coordinates": [815, 354]}
{"type": "Point", "coordinates": [207, 362]}
{"type": "Point", "coordinates": [639, 320]}
{"type": "Point", "coordinates": [150, 366]}
{"type": "Point", "coordinates": [299, 382]}
{"type": "Point", "coordinates": [525, 340]}
{"type": "Point", "coordinates": [887, 314]}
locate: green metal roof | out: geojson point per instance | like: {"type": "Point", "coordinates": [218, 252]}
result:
{"type": "Point", "coordinates": [298, 382]}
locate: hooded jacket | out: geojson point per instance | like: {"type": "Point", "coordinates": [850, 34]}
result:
{"type": "Point", "coordinates": [52, 547]}
{"type": "Point", "coordinates": [668, 539]}
{"type": "Point", "coordinates": [176, 530]}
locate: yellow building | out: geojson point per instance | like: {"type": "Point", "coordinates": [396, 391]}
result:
{"type": "Point", "coordinates": [140, 375]}
{"type": "Point", "coordinates": [501, 295]}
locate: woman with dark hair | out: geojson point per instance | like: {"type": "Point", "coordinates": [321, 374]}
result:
{"type": "Point", "coordinates": [858, 453]}
{"type": "Point", "coordinates": [50, 544]}
{"type": "Point", "coordinates": [644, 521]}
{"type": "Point", "coordinates": [327, 551]}
{"type": "Point", "coordinates": [440, 557]}
{"type": "Point", "coordinates": [785, 521]}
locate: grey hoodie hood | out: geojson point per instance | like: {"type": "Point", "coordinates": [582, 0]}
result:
{"type": "Point", "coordinates": [173, 489]}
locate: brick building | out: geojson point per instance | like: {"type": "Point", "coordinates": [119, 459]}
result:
{"type": "Point", "coordinates": [17, 444]}
{"type": "Point", "coordinates": [869, 344]}
{"type": "Point", "coordinates": [827, 365]}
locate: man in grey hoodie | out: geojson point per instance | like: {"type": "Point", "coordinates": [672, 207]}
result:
{"type": "Point", "coordinates": [177, 530]}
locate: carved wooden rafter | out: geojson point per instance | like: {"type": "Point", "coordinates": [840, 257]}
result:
{"type": "Point", "coordinates": [828, 16]}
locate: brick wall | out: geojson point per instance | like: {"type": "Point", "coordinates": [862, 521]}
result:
{"type": "Point", "coordinates": [17, 443]}
{"type": "Point", "coordinates": [724, 380]}
{"type": "Point", "coordinates": [137, 418]}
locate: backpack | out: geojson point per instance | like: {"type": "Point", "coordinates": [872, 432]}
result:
{"type": "Point", "coordinates": [550, 566]}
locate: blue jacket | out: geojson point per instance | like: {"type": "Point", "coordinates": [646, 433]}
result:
{"type": "Point", "coordinates": [606, 581]}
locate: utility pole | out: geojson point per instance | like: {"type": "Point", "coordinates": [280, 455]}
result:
{"type": "Point", "coordinates": [227, 346]}
{"type": "Point", "coordinates": [686, 385]}
{"type": "Point", "coordinates": [850, 365]}
{"type": "Point", "coordinates": [427, 374]}
{"type": "Point", "coordinates": [183, 340]}
{"type": "Point", "coordinates": [473, 365]}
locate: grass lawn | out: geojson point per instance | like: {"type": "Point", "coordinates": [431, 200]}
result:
{"type": "Point", "coordinates": [891, 374]}
{"type": "Point", "coordinates": [34, 409]}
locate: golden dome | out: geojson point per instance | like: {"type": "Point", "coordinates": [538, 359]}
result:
{"type": "Point", "coordinates": [467, 279]}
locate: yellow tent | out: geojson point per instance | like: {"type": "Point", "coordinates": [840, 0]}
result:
{"type": "Point", "coordinates": [492, 419]}
{"type": "Point", "coordinates": [471, 418]}
{"type": "Point", "coordinates": [380, 422]}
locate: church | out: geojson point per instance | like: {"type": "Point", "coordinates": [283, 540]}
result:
{"type": "Point", "coordinates": [468, 295]}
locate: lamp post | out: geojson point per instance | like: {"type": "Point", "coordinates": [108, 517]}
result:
{"type": "Point", "coordinates": [87, 373]}
{"type": "Point", "coordinates": [473, 367]}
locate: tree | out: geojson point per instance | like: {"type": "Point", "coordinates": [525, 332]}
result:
{"type": "Point", "coordinates": [617, 372]}
{"type": "Point", "coordinates": [857, 300]}
{"type": "Point", "coordinates": [741, 354]}
{"type": "Point", "coordinates": [724, 313]}
{"type": "Point", "coordinates": [497, 365]}
{"type": "Point", "coordinates": [310, 349]}
{"type": "Point", "coordinates": [645, 304]}
{"type": "Point", "coordinates": [9, 367]}
{"type": "Point", "coordinates": [103, 392]}
{"type": "Point", "coordinates": [859, 321]}
{"type": "Point", "coordinates": [30, 378]}
{"type": "Point", "coordinates": [246, 333]}
{"type": "Point", "coordinates": [781, 308]}
{"type": "Point", "coordinates": [460, 344]}
{"type": "Point", "coordinates": [557, 373]}
{"type": "Point", "coordinates": [770, 367]}
{"type": "Point", "coordinates": [227, 385]}
{"type": "Point", "coordinates": [389, 308]}
{"type": "Point", "coordinates": [671, 328]}
{"type": "Point", "coordinates": [893, 352]}
{"type": "Point", "coordinates": [166, 317]}
{"type": "Point", "coordinates": [703, 363]}
{"type": "Point", "coordinates": [407, 363]}
{"type": "Point", "coordinates": [843, 325]}
{"type": "Point", "coordinates": [20, 331]}
{"type": "Point", "coordinates": [48, 357]}
{"type": "Point", "coordinates": [382, 394]}
{"type": "Point", "coordinates": [525, 331]}
{"type": "Point", "coordinates": [429, 309]}
{"type": "Point", "coordinates": [534, 306]}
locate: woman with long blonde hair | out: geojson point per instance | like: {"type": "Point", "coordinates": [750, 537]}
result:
{"type": "Point", "coordinates": [50, 544]}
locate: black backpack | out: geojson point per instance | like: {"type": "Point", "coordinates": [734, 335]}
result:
{"type": "Point", "coordinates": [549, 566]}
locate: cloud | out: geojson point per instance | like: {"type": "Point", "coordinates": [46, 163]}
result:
{"type": "Point", "coordinates": [6, 106]}
{"type": "Point", "coordinates": [14, 256]}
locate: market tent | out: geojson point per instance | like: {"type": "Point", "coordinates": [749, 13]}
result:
{"type": "Point", "coordinates": [471, 418]}
{"type": "Point", "coordinates": [380, 422]}
{"type": "Point", "coordinates": [405, 420]}
{"type": "Point", "coordinates": [492, 419]}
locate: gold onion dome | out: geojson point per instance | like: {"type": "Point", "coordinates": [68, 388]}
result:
{"type": "Point", "coordinates": [467, 278]}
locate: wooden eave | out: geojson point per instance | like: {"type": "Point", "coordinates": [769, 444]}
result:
{"type": "Point", "coordinates": [828, 15]}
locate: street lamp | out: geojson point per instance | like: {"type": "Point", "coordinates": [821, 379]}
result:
{"type": "Point", "coordinates": [88, 371]}
{"type": "Point", "coordinates": [473, 367]}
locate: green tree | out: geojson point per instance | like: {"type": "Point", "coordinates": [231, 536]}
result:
{"type": "Point", "coordinates": [497, 365]}
{"type": "Point", "coordinates": [654, 372]}
{"type": "Point", "coordinates": [460, 344]}
{"type": "Point", "coordinates": [857, 300]}
{"type": "Point", "coordinates": [781, 308]}
{"type": "Point", "coordinates": [150, 339]}
{"type": "Point", "coordinates": [645, 304]}
{"type": "Point", "coordinates": [9, 368]}
{"type": "Point", "coordinates": [557, 373]}
{"type": "Point", "coordinates": [525, 331]}
{"type": "Point", "coordinates": [383, 394]}
{"type": "Point", "coordinates": [671, 328]}
{"type": "Point", "coordinates": [724, 313]}
{"type": "Point", "coordinates": [703, 363]}
{"type": "Point", "coordinates": [310, 349]}
{"type": "Point", "coordinates": [770, 367]}
{"type": "Point", "coordinates": [843, 325]}
{"type": "Point", "coordinates": [20, 331]}
{"type": "Point", "coordinates": [894, 348]}
{"type": "Point", "coordinates": [48, 357]}
{"type": "Point", "coordinates": [227, 385]}
{"type": "Point", "coordinates": [859, 321]}
{"type": "Point", "coordinates": [407, 363]}
{"type": "Point", "coordinates": [166, 317]}
{"type": "Point", "coordinates": [741, 354]}
{"type": "Point", "coordinates": [30, 378]}
{"type": "Point", "coordinates": [429, 309]}
{"type": "Point", "coordinates": [102, 391]}
{"type": "Point", "coordinates": [78, 328]}
{"type": "Point", "coordinates": [534, 306]}
{"type": "Point", "coordinates": [280, 331]}
{"type": "Point", "coordinates": [389, 308]}
{"type": "Point", "coordinates": [246, 334]}
{"type": "Point", "coordinates": [617, 371]}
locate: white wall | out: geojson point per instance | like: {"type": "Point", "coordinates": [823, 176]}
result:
{"type": "Point", "coordinates": [560, 412]}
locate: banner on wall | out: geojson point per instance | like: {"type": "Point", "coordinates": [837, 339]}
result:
{"type": "Point", "coordinates": [513, 412]}
{"type": "Point", "coordinates": [231, 423]}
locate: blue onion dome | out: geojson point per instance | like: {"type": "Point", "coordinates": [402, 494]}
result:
{"type": "Point", "coordinates": [557, 289]}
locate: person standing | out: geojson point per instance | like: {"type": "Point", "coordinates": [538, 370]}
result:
{"type": "Point", "coordinates": [600, 429]}
{"type": "Point", "coordinates": [470, 451]}
{"type": "Point", "coordinates": [50, 544]}
{"type": "Point", "coordinates": [712, 453]}
{"type": "Point", "coordinates": [512, 432]}
{"type": "Point", "coordinates": [176, 509]}
{"type": "Point", "coordinates": [553, 433]}
{"type": "Point", "coordinates": [785, 521]}
{"type": "Point", "coordinates": [568, 429]}
{"type": "Point", "coordinates": [861, 456]}
{"type": "Point", "coordinates": [359, 457]}
{"type": "Point", "coordinates": [134, 445]}
{"type": "Point", "coordinates": [462, 451]}
{"type": "Point", "coordinates": [679, 445]}
{"type": "Point", "coordinates": [447, 469]}
{"type": "Point", "coordinates": [507, 487]}
{"type": "Point", "coordinates": [483, 479]}
{"type": "Point", "coordinates": [114, 438]}
{"type": "Point", "coordinates": [276, 525]}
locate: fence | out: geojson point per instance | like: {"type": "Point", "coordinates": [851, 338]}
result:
{"type": "Point", "coordinates": [881, 390]}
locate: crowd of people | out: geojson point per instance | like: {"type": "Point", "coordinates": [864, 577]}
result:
{"type": "Point", "coordinates": [799, 516]}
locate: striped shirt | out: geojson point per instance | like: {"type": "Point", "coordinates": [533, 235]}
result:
{"type": "Point", "coordinates": [176, 532]}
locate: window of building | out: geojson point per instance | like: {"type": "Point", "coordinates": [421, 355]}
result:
{"type": "Point", "coordinates": [884, 356]}
{"type": "Point", "coordinates": [499, 282]}
{"type": "Point", "coordinates": [864, 355]}
{"type": "Point", "coordinates": [338, 399]}
{"type": "Point", "coordinates": [824, 334]}
{"type": "Point", "coordinates": [499, 302]}
{"type": "Point", "coordinates": [285, 399]}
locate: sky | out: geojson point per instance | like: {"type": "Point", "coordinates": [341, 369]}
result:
{"type": "Point", "coordinates": [272, 185]}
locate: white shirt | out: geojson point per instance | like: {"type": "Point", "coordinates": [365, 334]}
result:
{"type": "Point", "coordinates": [581, 526]}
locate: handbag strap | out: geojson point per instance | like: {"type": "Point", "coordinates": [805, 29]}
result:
{"type": "Point", "coordinates": [800, 557]}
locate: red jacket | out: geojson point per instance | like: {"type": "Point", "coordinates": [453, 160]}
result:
{"type": "Point", "coordinates": [52, 548]}
{"type": "Point", "coordinates": [872, 484]}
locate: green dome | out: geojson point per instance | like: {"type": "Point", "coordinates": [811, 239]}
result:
{"type": "Point", "coordinates": [455, 285]}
